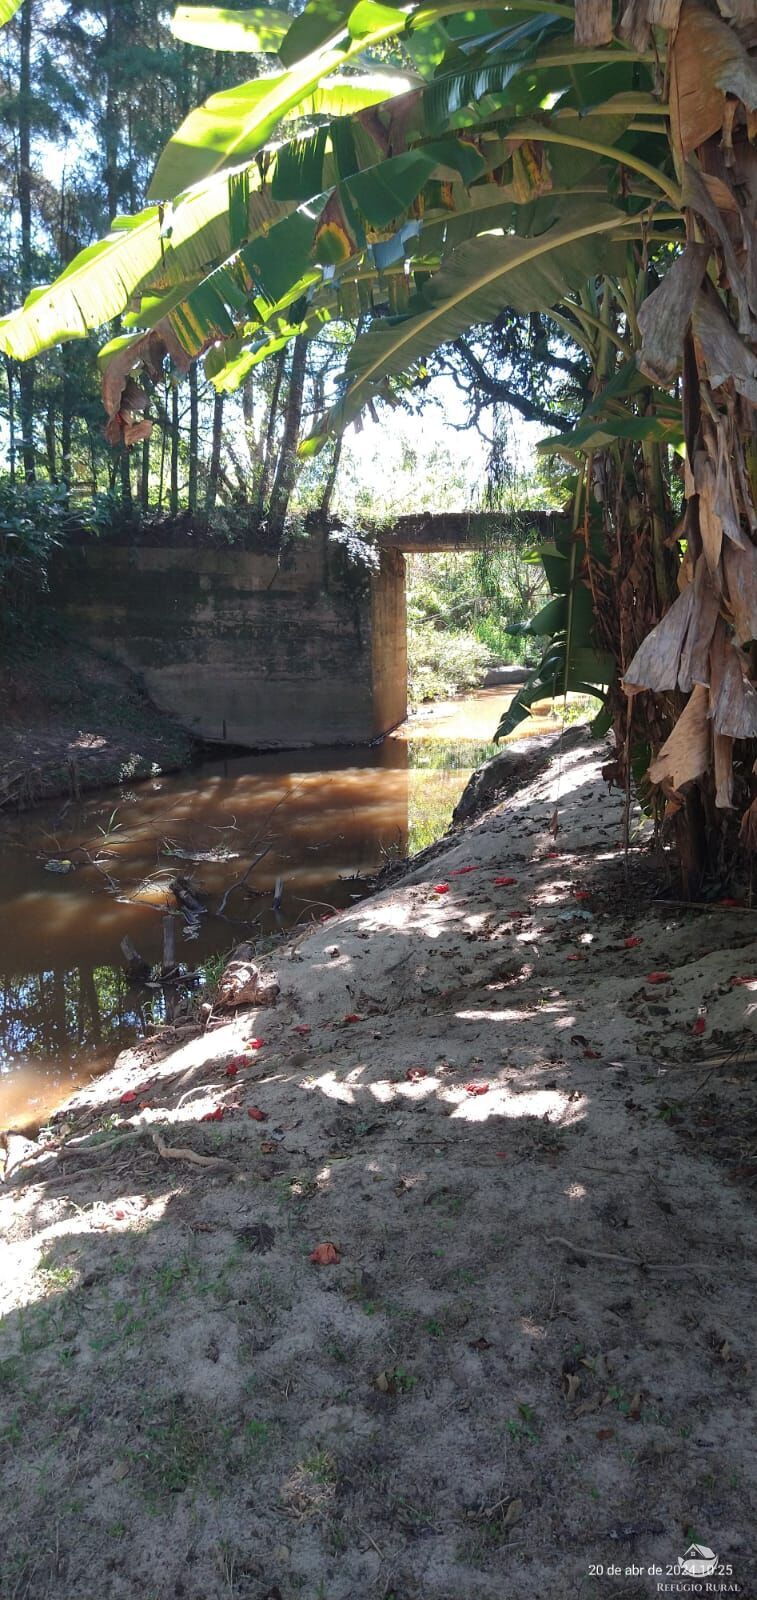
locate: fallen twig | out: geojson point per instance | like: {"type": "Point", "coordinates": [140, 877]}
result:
{"type": "Point", "coordinates": [635, 1261]}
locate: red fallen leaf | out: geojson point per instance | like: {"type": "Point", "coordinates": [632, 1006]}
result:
{"type": "Point", "coordinates": [746, 982]}
{"type": "Point", "coordinates": [502, 1154]}
{"type": "Point", "coordinates": [699, 1026]}
{"type": "Point", "coordinates": [476, 1088]}
{"type": "Point", "coordinates": [232, 1069]}
{"type": "Point", "coordinates": [575, 958]}
{"type": "Point", "coordinates": [581, 894]}
{"type": "Point", "coordinates": [414, 1074]}
{"type": "Point", "coordinates": [504, 883]}
{"type": "Point", "coordinates": [458, 872]}
{"type": "Point", "coordinates": [325, 1255]}
{"type": "Point", "coordinates": [254, 1044]}
{"type": "Point", "coordinates": [214, 1116]}
{"type": "Point", "coordinates": [256, 1114]}
{"type": "Point", "coordinates": [441, 888]}
{"type": "Point", "coordinates": [657, 977]}
{"type": "Point", "coordinates": [632, 942]}
{"type": "Point", "coordinates": [352, 1016]}
{"type": "Point", "coordinates": [302, 1028]}
{"type": "Point", "coordinates": [127, 1097]}
{"type": "Point", "coordinates": [235, 1062]}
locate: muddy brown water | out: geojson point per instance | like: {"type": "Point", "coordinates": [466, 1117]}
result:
{"type": "Point", "coordinates": [326, 819]}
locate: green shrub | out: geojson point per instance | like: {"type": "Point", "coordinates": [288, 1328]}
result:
{"type": "Point", "coordinates": [32, 518]}
{"type": "Point", "coordinates": [442, 664]}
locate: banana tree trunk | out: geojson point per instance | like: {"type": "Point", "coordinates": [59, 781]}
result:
{"type": "Point", "coordinates": [702, 320]}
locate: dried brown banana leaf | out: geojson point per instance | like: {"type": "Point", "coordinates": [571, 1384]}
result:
{"type": "Point", "coordinates": [685, 754]}
{"type": "Point", "coordinates": [665, 316]}
{"type": "Point", "coordinates": [657, 660]}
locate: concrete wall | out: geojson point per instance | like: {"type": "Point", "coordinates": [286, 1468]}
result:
{"type": "Point", "coordinates": [243, 651]}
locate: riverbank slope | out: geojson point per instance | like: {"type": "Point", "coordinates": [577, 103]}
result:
{"type": "Point", "coordinates": [74, 721]}
{"type": "Point", "coordinates": [457, 1298]}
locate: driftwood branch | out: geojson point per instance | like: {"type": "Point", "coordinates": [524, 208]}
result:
{"type": "Point", "coordinates": [239, 882]}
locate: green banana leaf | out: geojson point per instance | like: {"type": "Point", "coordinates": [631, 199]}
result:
{"type": "Point", "coordinates": [596, 434]}
{"type": "Point", "coordinates": [475, 283]}
{"type": "Point", "coordinates": [143, 252]}
{"type": "Point", "coordinates": [232, 125]}
{"type": "Point", "coordinates": [259, 29]}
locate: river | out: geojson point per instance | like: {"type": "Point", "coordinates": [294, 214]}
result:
{"type": "Point", "coordinates": [78, 877]}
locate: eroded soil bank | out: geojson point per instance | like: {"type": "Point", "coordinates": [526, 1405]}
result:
{"type": "Point", "coordinates": [72, 721]}
{"type": "Point", "coordinates": [487, 1088]}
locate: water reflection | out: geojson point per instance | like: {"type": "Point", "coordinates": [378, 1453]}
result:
{"type": "Point", "coordinates": [325, 819]}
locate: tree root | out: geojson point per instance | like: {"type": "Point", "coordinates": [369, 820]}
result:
{"type": "Point", "coordinates": [183, 1153]}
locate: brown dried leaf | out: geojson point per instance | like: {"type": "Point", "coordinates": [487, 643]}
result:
{"type": "Point", "coordinates": [741, 584]}
{"type": "Point", "coordinates": [726, 494]}
{"type": "Point", "coordinates": [723, 748]}
{"type": "Point", "coordinates": [733, 701]}
{"type": "Point", "coordinates": [737, 10]}
{"type": "Point", "coordinates": [707, 61]}
{"type": "Point", "coordinates": [135, 432]}
{"type": "Point", "coordinates": [593, 25]}
{"type": "Point", "coordinates": [685, 754]}
{"type": "Point", "coordinates": [699, 196]}
{"type": "Point", "coordinates": [572, 1383]}
{"type": "Point", "coordinates": [665, 316]}
{"type": "Point", "coordinates": [695, 656]}
{"type": "Point", "coordinates": [633, 27]}
{"type": "Point", "coordinates": [710, 525]}
{"type": "Point", "coordinates": [664, 13]}
{"type": "Point", "coordinates": [725, 355]}
{"type": "Point", "coordinates": [656, 662]}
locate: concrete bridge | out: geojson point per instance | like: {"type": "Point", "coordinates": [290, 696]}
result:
{"type": "Point", "coordinates": [265, 651]}
{"type": "Point", "coordinates": [428, 532]}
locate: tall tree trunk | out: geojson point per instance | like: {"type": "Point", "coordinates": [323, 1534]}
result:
{"type": "Point", "coordinates": [52, 470]}
{"type": "Point", "coordinates": [144, 476]}
{"type": "Point", "coordinates": [127, 498]}
{"type": "Point", "coordinates": [173, 503]}
{"type": "Point", "coordinates": [286, 470]}
{"type": "Point", "coordinates": [66, 424]}
{"type": "Point", "coordinates": [24, 179]}
{"type": "Point", "coordinates": [11, 419]}
{"type": "Point", "coordinates": [215, 454]}
{"type": "Point", "coordinates": [111, 128]}
{"type": "Point", "coordinates": [330, 484]}
{"type": "Point", "coordinates": [270, 434]}
{"type": "Point", "coordinates": [194, 438]}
